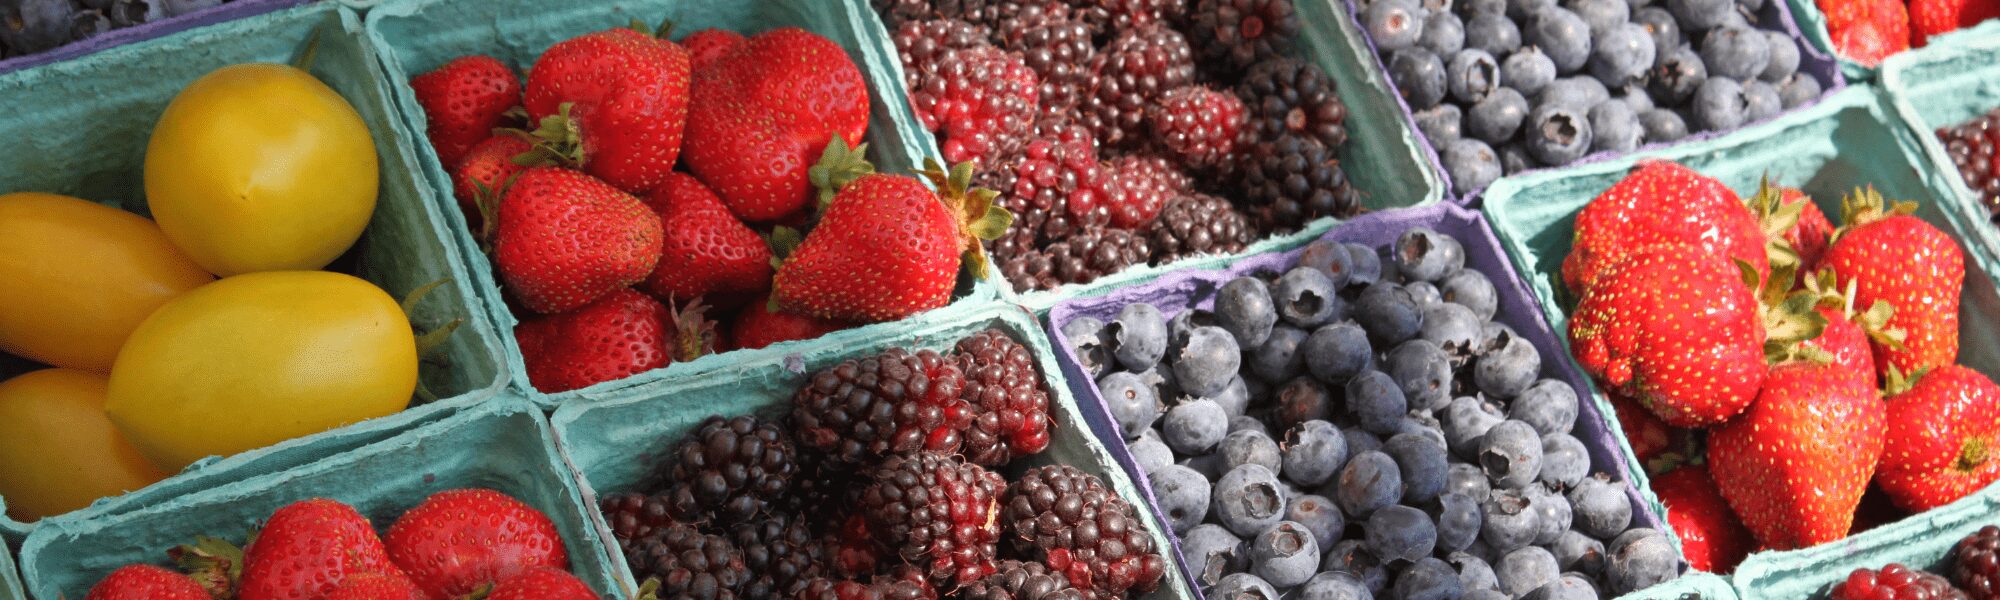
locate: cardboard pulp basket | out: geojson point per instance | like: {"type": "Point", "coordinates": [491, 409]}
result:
{"type": "Point", "coordinates": [10, 581]}
{"type": "Point", "coordinates": [1812, 22]}
{"type": "Point", "coordinates": [1518, 309]}
{"type": "Point", "coordinates": [613, 445]}
{"type": "Point", "coordinates": [224, 13]}
{"type": "Point", "coordinates": [87, 138]}
{"type": "Point", "coordinates": [1953, 80]}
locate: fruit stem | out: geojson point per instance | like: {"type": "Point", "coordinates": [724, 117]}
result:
{"type": "Point", "coordinates": [1971, 455]}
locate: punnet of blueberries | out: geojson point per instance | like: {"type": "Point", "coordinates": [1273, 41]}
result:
{"type": "Point", "coordinates": [1358, 425]}
{"type": "Point", "coordinates": [36, 26]}
{"type": "Point", "coordinates": [1502, 86]}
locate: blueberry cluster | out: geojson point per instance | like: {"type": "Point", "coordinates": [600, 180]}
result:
{"type": "Point", "coordinates": [1359, 426]}
{"type": "Point", "coordinates": [34, 26]}
{"type": "Point", "coordinates": [1509, 85]}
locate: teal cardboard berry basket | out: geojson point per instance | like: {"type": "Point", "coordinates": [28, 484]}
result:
{"type": "Point", "coordinates": [1813, 22]}
{"type": "Point", "coordinates": [416, 36]}
{"type": "Point", "coordinates": [504, 444]}
{"type": "Point", "coordinates": [86, 136]}
{"type": "Point", "coordinates": [10, 581]}
{"type": "Point", "coordinates": [1847, 141]}
{"type": "Point", "coordinates": [613, 444]}
{"type": "Point", "coordinates": [1922, 541]}
{"type": "Point", "coordinates": [1953, 80]}
{"type": "Point", "coordinates": [1692, 585]}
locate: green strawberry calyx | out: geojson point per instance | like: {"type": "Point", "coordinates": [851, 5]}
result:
{"type": "Point", "coordinates": [1776, 218]}
{"type": "Point", "coordinates": [839, 164]}
{"type": "Point", "coordinates": [694, 332]}
{"type": "Point", "coordinates": [558, 142]}
{"type": "Point", "coordinates": [1865, 206]}
{"type": "Point", "coordinates": [1790, 318]}
{"type": "Point", "coordinates": [1874, 321]}
{"type": "Point", "coordinates": [214, 564]}
{"type": "Point", "coordinates": [1896, 383]}
{"type": "Point", "coordinates": [428, 341]}
{"type": "Point", "coordinates": [979, 219]}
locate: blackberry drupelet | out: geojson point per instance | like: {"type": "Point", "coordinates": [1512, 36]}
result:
{"type": "Point", "coordinates": [1232, 35]}
{"type": "Point", "coordinates": [634, 516]}
{"type": "Point", "coordinates": [894, 402]}
{"type": "Point", "coordinates": [1029, 270]}
{"type": "Point", "coordinates": [902, 583]}
{"type": "Point", "coordinates": [1005, 389]}
{"type": "Point", "coordinates": [689, 564]}
{"type": "Point", "coordinates": [921, 44]}
{"type": "Point", "coordinates": [1055, 189]}
{"type": "Point", "coordinates": [780, 551]}
{"type": "Point", "coordinates": [1287, 96]}
{"type": "Point", "coordinates": [729, 470]}
{"type": "Point", "coordinates": [1895, 582]}
{"type": "Point", "coordinates": [1196, 224]}
{"type": "Point", "coordinates": [1096, 252]}
{"type": "Point", "coordinates": [938, 512]}
{"type": "Point", "coordinates": [1018, 580]}
{"type": "Point", "coordinates": [1057, 46]}
{"type": "Point", "coordinates": [1972, 147]}
{"type": "Point", "coordinates": [1200, 127]}
{"type": "Point", "coordinates": [1293, 180]}
{"type": "Point", "coordinates": [1975, 564]}
{"type": "Point", "coordinates": [1069, 520]}
{"type": "Point", "coordinates": [897, 12]}
{"type": "Point", "coordinates": [1139, 184]}
{"type": "Point", "coordinates": [1130, 14]}
{"type": "Point", "coordinates": [1137, 67]}
{"type": "Point", "coordinates": [980, 101]}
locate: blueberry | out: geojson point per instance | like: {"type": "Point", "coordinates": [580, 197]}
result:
{"type": "Point", "coordinates": [1602, 509]}
{"type": "Point", "coordinates": [1247, 423]}
{"type": "Point", "coordinates": [1553, 514]}
{"type": "Point", "coordinates": [1420, 423]}
{"type": "Point", "coordinates": [1615, 127]}
{"type": "Point", "coordinates": [1661, 26]}
{"type": "Point", "coordinates": [1212, 552]}
{"type": "Point", "coordinates": [1470, 8]}
{"type": "Point", "coordinates": [1387, 313]}
{"type": "Point", "coordinates": [1313, 452]}
{"type": "Point", "coordinates": [1305, 297]}
{"type": "Point", "coordinates": [1243, 308]}
{"type": "Point", "coordinates": [1393, 24]}
{"type": "Point", "coordinates": [1508, 521]}
{"type": "Point", "coordinates": [1557, 135]}
{"type": "Point", "coordinates": [1644, 558]}
{"type": "Point", "coordinates": [1484, 595]}
{"type": "Point", "coordinates": [1400, 534]}
{"type": "Point", "coordinates": [1423, 372]}
{"type": "Point", "coordinates": [1234, 398]}
{"type": "Point", "coordinates": [1334, 585]}
{"type": "Point", "coordinates": [1458, 519]}
{"type": "Point", "coordinates": [1336, 352]}
{"type": "Point", "coordinates": [1577, 551]}
{"type": "Point", "coordinates": [1360, 440]}
{"type": "Point", "coordinates": [1761, 101]}
{"type": "Point", "coordinates": [1183, 495]}
{"type": "Point", "coordinates": [1600, 15]}
{"type": "Point", "coordinates": [1419, 75]}
{"type": "Point", "coordinates": [1466, 421]}
{"type": "Point", "coordinates": [1527, 71]}
{"type": "Point", "coordinates": [1511, 454]}
{"type": "Point", "coordinates": [1568, 587]}
{"type": "Point", "coordinates": [1369, 481]}
{"type": "Point", "coordinates": [1452, 327]}
{"type": "Point", "coordinates": [1506, 367]}
{"type": "Point", "coordinates": [1471, 289]}
{"type": "Point", "coordinates": [1150, 453]}
{"type": "Point", "coordinates": [1444, 33]}
{"type": "Point", "coordinates": [1719, 105]}
{"type": "Point", "coordinates": [1495, 120]}
{"type": "Point", "coordinates": [1525, 9]}
{"type": "Point", "coordinates": [1574, 93]}
{"type": "Point", "coordinates": [1194, 426]}
{"type": "Point", "coordinates": [1471, 163]}
{"type": "Point", "coordinates": [1183, 324]}
{"type": "Point", "coordinates": [1524, 569]}
{"type": "Point", "coordinates": [1351, 556]}
{"type": "Point", "coordinates": [1797, 90]}
{"type": "Point", "coordinates": [1319, 515]}
{"type": "Point", "coordinates": [1364, 266]}
{"type": "Point", "coordinates": [1209, 361]}
{"type": "Point", "coordinates": [1496, 34]}
{"type": "Point", "coordinates": [1677, 77]}
{"type": "Point", "coordinates": [1423, 464]}
{"type": "Point", "coordinates": [1302, 399]}
{"type": "Point", "coordinates": [1244, 586]}
{"type": "Point", "coordinates": [1377, 401]}
{"type": "Point", "coordinates": [1467, 479]}
{"type": "Point", "coordinates": [1565, 461]}
{"type": "Point", "coordinates": [1701, 15]}
{"type": "Point", "coordinates": [1427, 579]}
{"type": "Point", "coordinates": [1440, 124]}
{"type": "Point", "coordinates": [1514, 158]}
{"type": "Point", "coordinates": [1423, 292]}
{"type": "Point", "coordinates": [1471, 75]}
{"type": "Point", "coordinates": [1138, 336]}
{"type": "Point", "coordinates": [1422, 254]}
{"type": "Point", "coordinates": [1549, 405]}
{"type": "Point", "coordinates": [1278, 358]}
{"type": "Point", "coordinates": [1248, 500]}
{"type": "Point", "coordinates": [1285, 555]}
{"type": "Point", "coordinates": [1251, 447]}
{"type": "Point", "coordinates": [1784, 57]}
{"type": "Point", "coordinates": [1621, 54]}
{"type": "Point", "coordinates": [1662, 126]}
{"type": "Point", "coordinates": [1330, 258]}
{"type": "Point", "coordinates": [1562, 35]}
{"type": "Point", "coordinates": [1208, 465]}
{"type": "Point", "coordinates": [34, 27]}
{"type": "Point", "coordinates": [1739, 53]}
{"type": "Point", "coordinates": [1088, 344]}
{"type": "Point", "coordinates": [1474, 573]}
{"type": "Point", "coordinates": [1634, 96]}
{"type": "Point", "coordinates": [1131, 400]}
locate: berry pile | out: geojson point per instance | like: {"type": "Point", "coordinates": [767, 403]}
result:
{"type": "Point", "coordinates": [1359, 426]}
{"type": "Point", "coordinates": [1502, 86]}
{"type": "Point", "coordinates": [887, 481]}
{"type": "Point", "coordinates": [657, 196]}
{"type": "Point", "coordinates": [1867, 31]}
{"type": "Point", "coordinates": [1125, 132]}
{"type": "Point", "coordinates": [36, 26]}
{"type": "Point", "coordinates": [1975, 575]}
{"type": "Point", "coordinates": [1972, 146]}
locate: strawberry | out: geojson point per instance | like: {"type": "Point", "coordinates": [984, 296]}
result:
{"type": "Point", "coordinates": [459, 541]}
{"type": "Point", "coordinates": [1850, 334]}
{"type": "Point", "coordinates": [888, 247]}
{"type": "Point", "coordinates": [757, 326]}
{"type": "Point", "coordinates": [1653, 441]}
{"type": "Point", "coordinates": [1795, 464]}
{"type": "Point", "coordinates": [308, 549]}
{"type": "Point", "coordinates": [391, 586]}
{"type": "Point", "coordinates": [1944, 425]}
{"type": "Point", "coordinates": [1790, 215]}
{"type": "Point", "coordinates": [146, 582]}
{"type": "Point", "coordinates": [1935, 17]}
{"type": "Point", "coordinates": [566, 239]}
{"type": "Point", "coordinates": [1711, 537]}
{"type": "Point", "coordinates": [542, 584]}
{"type": "Point", "coordinates": [613, 103]}
{"type": "Point", "coordinates": [709, 44]}
{"type": "Point", "coordinates": [465, 100]}
{"type": "Point", "coordinates": [763, 111]}
{"type": "Point", "coordinates": [1898, 258]}
{"type": "Point", "coordinates": [1867, 31]}
{"type": "Point", "coordinates": [707, 251]}
{"type": "Point", "coordinates": [622, 334]}
{"type": "Point", "coordinates": [1662, 202]}
{"type": "Point", "coordinates": [482, 177]}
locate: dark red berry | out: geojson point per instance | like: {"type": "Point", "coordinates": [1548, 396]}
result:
{"type": "Point", "coordinates": [730, 470]}
{"type": "Point", "coordinates": [1068, 520]}
{"type": "Point", "coordinates": [1975, 564]}
{"type": "Point", "coordinates": [1140, 184]}
{"type": "Point", "coordinates": [1201, 127]}
{"type": "Point", "coordinates": [1196, 224]}
{"type": "Point", "coordinates": [1231, 35]}
{"type": "Point", "coordinates": [938, 512]}
{"type": "Point", "coordinates": [1005, 389]}
{"type": "Point", "coordinates": [1895, 582]}
{"type": "Point", "coordinates": [980, 100]}
{"type": "Point", "coordinates": [895, 402]}
{"type": "Point", "coordinates": [1134, 71]}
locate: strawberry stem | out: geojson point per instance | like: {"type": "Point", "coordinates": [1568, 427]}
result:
{"type": "Point", "coordinates": [839, 164]}
{"type": "Point", "coordinates": [214, 564]}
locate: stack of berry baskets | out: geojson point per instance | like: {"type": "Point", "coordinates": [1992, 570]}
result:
{"type": "Point", "coordinates": [1839, 413]}
{"type": "Point", "coordinates": [49, 31]}
{"type": "Point", "coordinates": [697, 278]}
{"type": "Point", "coordinates": [1947, 93]}
{"type": "Point", "coordinates": [1404, 406]}
{"type": "Point", "coordinates": [827, 483]}
{"type": "Point", "coordinates": [1125, 136]}
{"type": "Point", "coordinates": [1498, 87]}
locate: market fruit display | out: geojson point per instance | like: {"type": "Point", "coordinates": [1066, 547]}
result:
{"type": "Point", "coordinates": [1971, 146]}
{"type": "Point", "coordinates": [37, 26]}
{"type": "Point", "coordinates": [1968, 571]}
{"type": "Point", "coordinates": [1359, 425]}
{"type": "Point", "coordinates": [1867, 31]}
{"type": "Point", "coordinates": [63, 408]}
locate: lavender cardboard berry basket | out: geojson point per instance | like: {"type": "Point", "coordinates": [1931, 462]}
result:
{"type": "Point", "coordinates": [614, 444]}
{"type": "Point", "coordinates": [87, 138]}
{"type": "Point", "coordinates": [1848, 140]}
{"type": "Point", "coordinates": [1518, 309]}
{"type": "Point", "coordinates": [416, 36]}
{"type": "Point", "coordinates": [1922, 541]}
{"type": "Point", "coordinates": [1954, 79]}
{"type": "Point", "coordinates": [157, 28]}
{"type": "Point", "coordinates": [504, 444]}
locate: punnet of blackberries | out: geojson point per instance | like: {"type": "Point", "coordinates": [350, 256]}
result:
{"type": "Point", "coordinates": [1127, 132]}
{"type": "Point", "coordinates": [894, 476]}
{"type": "Point", "coordinates": [1971, 146]}
{"type": "Point", "coordinates": [1970, 572]}
{"type": "Point", "coordinates": [1358, 425]}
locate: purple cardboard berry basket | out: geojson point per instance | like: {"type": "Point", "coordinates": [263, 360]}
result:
{"type": "Point", "coordinates": [1812, 61]}
{"type": "Point", "coordinates": [139, 33]}
{"type": "Point", "coordinates": [1518, 309]}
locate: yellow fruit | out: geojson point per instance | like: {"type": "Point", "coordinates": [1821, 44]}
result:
{"type": "Point", "coordinates": [79, 276]}
{"type": "Point", "coordinates": [256, 359]}
{"type": "Point", "coordinates": [260, 167]}
{"type": "Point", "coordinates": [59, 450]}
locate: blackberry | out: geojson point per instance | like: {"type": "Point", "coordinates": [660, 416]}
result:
{"type": "Point", "coordinates": [1069, 520]}
{"type": "Point", "coordinates": [1096, 252]}
{"type": "Point", "coordinates": [1971, 146]}
{"type": "Point", "coordinates": [1293, 180]}
{"type": "Point", "coordinates": [689, 564]}
{"type": "Point", "coordinates": [899, 584]}
{"type": "Point", "coordinates": [1056, 188]}
{"type": "Point", "coordinates": [1132, 14]}
{"type": "Point", "coordinates": [1199, 126]}
{"type": "Point", "coordinates": [921, 44]}
{"type": "Point", "coordinates": [1029, 270]}
{"type": "Point", "coordinates": [1895, 582]}
{"type": "Point", "coordinates": [780, 551]}
{"type": "Point", "coordinates": [635, 516]}
{"type": "Point", "coordinates": [1137, 67]}
{"type": "Point", "coordinates": [729, 470]}
{"type": "Point", "coordinates": [1139, 185]}
{"type": "Point", "coordinates": [1232, 35]}
{"type": "Point", "coordinates": [1197, 224]}
{"type": "Point", "coordinates": [1005, 389]}
{"type": "Point", "coordinates": [1017, 580]}
{"type": "Point", "coordinates": [1057, 46]}
{"type": "Point", "coordinates": [1975, 563]}
{"type": "Point", "coordinates": [894, 402]}
{"type": "Point", "coordinates": [938, 512]}
{"type": "Point", "coordinates": [1287, 96]}
{"type": "Point", "coordinates": [896, 12]}
{"type": "Point", "coordinates": [979, 100]}
{"type": "Point", "coordinates": [849, 548]}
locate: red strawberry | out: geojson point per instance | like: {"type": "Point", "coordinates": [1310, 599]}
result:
{"type": "Point", "coordinates": [1662, 203]}
{"type": "Point", "coordinates": [1944, 427]}
{"type": "Point", "coordinates": [622, 334]}
{"type": "Point", "coordinates": [709, 44]}
{"type": "Point", "coordinates": [888, 247]}
{"type": "Point", "coordinates": [1652, 439]}
{"type": "Point", "coordinates": [542, 584]}
{"type": "Point", "coordinates": [1867, 31]}
{"type": "Point", "coordinates": [566, 239]}
{"type": "Point", "coordinates": [392, 586]}
{"type": "Point", "coordinates": [308, 549]}
{"type": "Point", "coordinates": [1711, 537]}
{"type": "Point", "coordinates": [459, 541]}
{"type": "Point", "coordinates": [707, 252]}
{"type": "Point", "coordinates": [1795, 465]}
{"type": "Point", "coordinates": [1790, 215]}
{"type": "Point", "coordinates": [764, 111]}
{"type": "Point", "coordinates": [1919, 270]}
{"type": "Point", "coordinates": [146, 582]}
{"type": "Point", "coordinates": [757, 326]}
{"type": "Point", "coordinates": [465, 100]}
{"type": "Point", "coordinates": [1850, 333]}
{"type": "Point", "coordinates": [613, 103]}
{"type": "Point", "coordinates": [1937, 17]}
{"type": "Point", "coordinates": [482, 176]}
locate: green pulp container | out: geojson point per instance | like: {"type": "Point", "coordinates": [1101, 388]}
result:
{"type": "Point", "coordinates": [1922, 541]}
{"type": "Point", "coordinates": [1955, 79]}
{"type": "Point", "coordinates": [1693, 585]}
{"type": "Point", "coordinates": [10, 581]}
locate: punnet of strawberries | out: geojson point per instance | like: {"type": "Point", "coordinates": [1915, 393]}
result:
{"type": "Point", "coordinates": [648, 201]}
{"type": "Point", "coordinates": [1771, 367]}
{"type": "Point", "coordinates": [1867, 31]}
